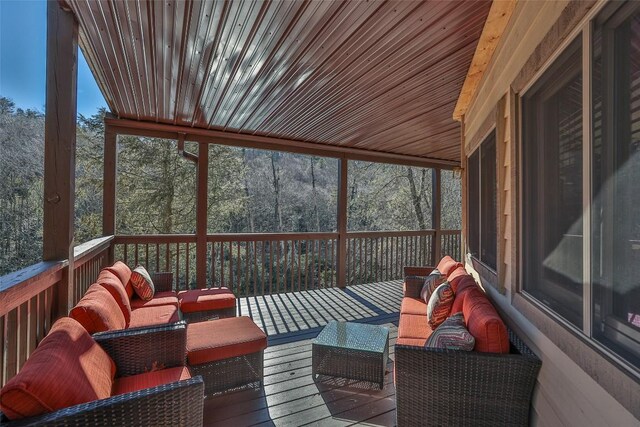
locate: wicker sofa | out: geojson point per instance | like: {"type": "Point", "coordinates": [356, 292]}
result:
{"type": "Point", "coordinates": [69, 380]}
{"type": "Point", "coordinates": [111, 304]}
{"type": "Point", "coordinates": [489, 386]}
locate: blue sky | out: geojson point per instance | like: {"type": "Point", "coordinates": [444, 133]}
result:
{"type": "Point", "coordinates": [23, 35]}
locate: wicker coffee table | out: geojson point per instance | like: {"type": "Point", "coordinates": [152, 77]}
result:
{"type": "Point", "coordinates": [351, 350]}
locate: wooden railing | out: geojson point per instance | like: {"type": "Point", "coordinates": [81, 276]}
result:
{"type": "Point", "coordinates": [28, 301]}
{"type": "Point", "coordinates": [262, 264]}
{"type": "Point", "coordinates": [380, 256]}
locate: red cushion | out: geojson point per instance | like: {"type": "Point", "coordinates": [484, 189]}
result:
{"type": "Point", "coordinates": [155, 315]}
{"type": "Point", "coordinates": [150, 379]}
{"type": "Point", "coordinates": [464, 284]}
{"type": "Point", "coordinates": [206, 299]}
{"type": "Point", "coordinates": [97, 311]}
{"type": "Point", "coordinates": [159, 298]}
{"type": "Point", "coordinates": [415, 342]}
{"type": "Point", "coordinates": [67, 368]}
{"type": "Point", "coordinates": [222, 339]}
{"type": "Point", "coordinates": [484, 323]}
{"type": "Point", "coordinates": [414, 326]}
{"type": "Point", "coordinates": [413, 306]}
{"type": "Point", "coordinates": [455, 276]}
{"type": "Point", "coordinates": [112, 283]}
{"type": "Point", "coordinates": [447, 265]}
{"type": "Point", "coordinates": [123, 272]}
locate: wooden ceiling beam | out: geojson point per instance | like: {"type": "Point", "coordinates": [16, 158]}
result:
{"type": "Point", "coordinates": [497, 20]}
{"type": "Point", "coordinates": [169, 131]}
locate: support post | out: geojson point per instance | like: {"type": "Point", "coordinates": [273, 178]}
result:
{"type": "Point", "coordinates": [109, 188]}
{"type": "Point", "coordinates": [436, 209]}
{"type": "Point", "coordinates": [60, 147]}
{"type": "Point", "coordinates": [342, 222]}
{"type": "Point", "coordinates": [201, 215]}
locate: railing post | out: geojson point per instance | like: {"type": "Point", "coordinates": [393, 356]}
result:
{"type": "Point", "coordinates": [60, 147]}
{"type": "Point", "coordinates": [109, 189]}
{"type": "Point", "coordinates": [436, 210]}
{"type": "Point", "coordinates": [201, 215]}
{"type": "Point", "coordinates": [342, 223]}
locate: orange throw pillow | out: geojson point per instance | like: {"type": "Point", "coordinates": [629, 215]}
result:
{"type": "Point", "coordinates": [67, 368]}
{"type": "Point", "coordinates": [97, 311]}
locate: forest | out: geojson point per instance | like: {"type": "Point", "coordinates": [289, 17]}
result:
{"type": "Point", "coordinates": [250, 191]}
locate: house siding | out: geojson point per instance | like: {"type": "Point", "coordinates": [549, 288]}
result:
{"type": "Point", "coordinates": [577, 385]}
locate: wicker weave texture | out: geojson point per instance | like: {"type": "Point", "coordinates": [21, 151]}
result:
{"type": "Point", "coordinates": [177, 404]}
{"type": "Point", "coordinates": [234, 373]}
{"type": "Point", "coordinates": [358, 352]}
{"type": "Point", "coordinates": [448, 387]}
{"type": "Point", "coordinates": [139, 350]}
{"type": "Point", "coordinates": [203, 316]}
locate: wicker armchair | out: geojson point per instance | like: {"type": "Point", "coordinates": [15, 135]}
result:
{"type": "Point", "coordinates": [449, 387]}
{"type": "Point", "coordinates": [135, 351]}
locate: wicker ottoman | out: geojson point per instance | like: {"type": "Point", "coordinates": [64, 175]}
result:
{"type": "Point", "coordinates": [228, 353]}
{"type": "Point", "coordinates": [198, 305]}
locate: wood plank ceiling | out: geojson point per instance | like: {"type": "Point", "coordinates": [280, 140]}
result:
{"type": "Point", "coordinates": [382, 76]}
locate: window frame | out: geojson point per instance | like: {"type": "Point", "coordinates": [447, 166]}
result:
{"type": "Point", "coordinates": [491, 135]}
{"type": "Point", "coordinates": [585, 30]}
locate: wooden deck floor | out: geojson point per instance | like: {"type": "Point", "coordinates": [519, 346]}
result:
{"type": "Point", "coordinates": [290, 397]}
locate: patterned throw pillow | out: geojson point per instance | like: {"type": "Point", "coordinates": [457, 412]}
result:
{"type": "Point", "coordinates": [142, 283]}
{"type": "Point", "coordinates": [452, 334]}
{"type": "Point", "coordinates": [440, 304]}
{"type": "Point", "coordinates": [432, 281]}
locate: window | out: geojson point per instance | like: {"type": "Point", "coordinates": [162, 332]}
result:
{"type": "Point", "coordinates": [483, 203]}
{"type": "Point", "coordinates": [552, 187]}
{"type": "Point", "coordinates": [552, 208]}
{"type": "Point", "coordinates": [615, 255]}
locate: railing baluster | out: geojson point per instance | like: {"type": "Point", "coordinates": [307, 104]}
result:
{"type": "Point", "coordinates": [262, 267]}
{"type": "Point", "coordinates": [299, 249]}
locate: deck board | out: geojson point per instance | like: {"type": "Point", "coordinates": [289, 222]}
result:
{"type": "Point", "coordinates": [290, 397]}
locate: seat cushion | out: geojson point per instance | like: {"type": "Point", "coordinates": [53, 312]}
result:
{"type": "Point", "coordinates": [484, 323]}
{"type": "Point", "coordinates": [447, 265]}
{"type": "Point", "coordinates": [413, 326]}
{"type": "Point", "coordinates": [150, 379]}
{"type": "Point", "coordinates": [159, 298]}
{"type": "Point", "coordinates": [223, 338]}
{"type": "Point", "coordinates": [154, 315]}
{"type": "Point", "coordinates": [123, 272]}
{"type": "Point", "coordinates": [415, 342]}
{"type": "Point", "coordinates": [206, 299]}
{"type": "Point", "coordinates": [112, 283]}
{"type": "Point", "coordinates": [97, 311]}
{"type": "Point", "coordinates": [67, 368]}
{"type": "Point", "coordinates": [413, 306]}
{"type": "Point", "coordinates": [142, 283]}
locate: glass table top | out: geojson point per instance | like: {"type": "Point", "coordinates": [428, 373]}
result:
{"type": "Point", "coordinates": [354, 336]}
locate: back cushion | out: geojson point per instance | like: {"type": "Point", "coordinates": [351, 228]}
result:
{"type": "Point", "coordinates": [123, 272]}
{"type": "Point", "coordinates": [463, 284]}
{"type": "Point", "coordinates": [484, 323]}
{"type": "Point", "coordinates": [117, 290]}
{"type": "Point", "coordinates": [447, 265]}
{"type": "Point", "coordinates": [455, 276]}
{"type": "Point", "coordinates": [67, 368]}
{"type": "Point", "coordinates": [97, 311]}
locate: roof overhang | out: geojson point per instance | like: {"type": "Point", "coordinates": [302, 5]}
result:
{"type": "Point", "coordinates": [381, 77]}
